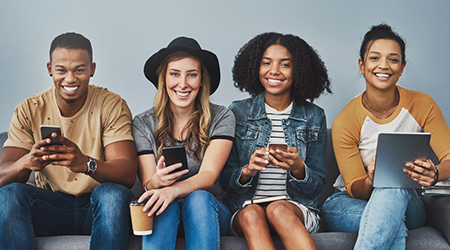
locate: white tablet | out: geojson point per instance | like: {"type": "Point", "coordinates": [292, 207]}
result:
{"type": "Point", "coordinates": [394, 150]}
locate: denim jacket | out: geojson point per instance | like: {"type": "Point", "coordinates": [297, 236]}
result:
{"type": "Point", "coordinates": [305, 129]}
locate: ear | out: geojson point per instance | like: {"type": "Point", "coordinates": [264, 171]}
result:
{"type": "Point", "coordinates": [93, 65]}
{"type": "Point", "coordinates": [403, 67]}
{"type": "Point", "coordinates": [49, 68]}
{"type": "Point", "coordinates": [361, 66]}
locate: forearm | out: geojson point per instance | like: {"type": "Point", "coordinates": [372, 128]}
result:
{"type": "Point", "coordinates": [444, 170]}
{"type": "Point", "coordinates": [120, 171]}
{"type": "Point", "coordinates": [14, 166]}
{"type": "Point", "coordinates": [362, 189]}
{"type": "Point", "coordinates": [201, 181]}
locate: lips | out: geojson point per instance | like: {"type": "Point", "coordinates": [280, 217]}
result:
{"type": "Point", "coordinates": [274, 82]}
{"type": "Point", "coordinates": [382, 75]}
{"type": "Point", "coordinates": [182, 95]}
{"type": "Point", "coordinates": [70, 89]}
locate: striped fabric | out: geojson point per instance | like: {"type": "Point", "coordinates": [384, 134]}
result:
{"type": "Point", "coordinates": [272, 181]}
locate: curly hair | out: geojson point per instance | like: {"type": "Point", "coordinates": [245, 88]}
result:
{"type": "Point", "coordinates": [309, 73]}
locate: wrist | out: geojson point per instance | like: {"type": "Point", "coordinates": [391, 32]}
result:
{"type": "Point", "coordinates": [91, 165]}
{"type": "Point", "coordinates": [436, 176]}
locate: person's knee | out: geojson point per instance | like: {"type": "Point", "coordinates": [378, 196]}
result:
{"type": "Point", "coordinates": [200, 199]}
{"type": "Point", "coordinates": [111, 197]}
{"type": "Point", "coordinates": [251, 215]}
{"type": "Point", "coordinates": [13, 192]}
{"type": "Point", "coordinates": [278, 211]}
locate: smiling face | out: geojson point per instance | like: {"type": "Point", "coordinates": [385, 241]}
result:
{"type": "Point", "coordinates": [183, 81]}
{"type": "Point", "coordinates": [71, 70]}
{"type": "Point", "coordinates": [382, 65]}
{"type": "Point", "coordinates": [275, 72]}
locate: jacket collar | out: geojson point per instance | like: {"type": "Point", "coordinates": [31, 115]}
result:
{"type": "Point", "coordinates": [258, 110]}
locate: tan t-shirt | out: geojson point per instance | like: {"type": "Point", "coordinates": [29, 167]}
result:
{"type": "Point", "coordinates": [104, 119]}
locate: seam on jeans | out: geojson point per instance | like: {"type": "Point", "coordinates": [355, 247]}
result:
{"type": "Point", "coordinates": [365, 224]}
{"type": "Point", "coordinates": [31, 223]}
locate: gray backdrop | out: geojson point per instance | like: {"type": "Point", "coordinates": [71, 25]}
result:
{"type": "Point", "coordinates": [125, 33]}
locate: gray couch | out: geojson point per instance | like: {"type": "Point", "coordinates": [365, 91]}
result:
{"type": "Point", "coordinates": [436, 235]}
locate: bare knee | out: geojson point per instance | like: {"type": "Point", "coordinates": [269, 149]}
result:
{"type": "Point", "coordinates": [283, 212]}
{"type": "Point", "coordinates": [251, 214]}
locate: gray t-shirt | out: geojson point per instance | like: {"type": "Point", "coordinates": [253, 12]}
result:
{"type": "Point", "coordinates": [222, 127]}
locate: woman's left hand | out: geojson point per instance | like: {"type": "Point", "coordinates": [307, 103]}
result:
{"type": "Point", "coordinates": [421, 171]}
{"type": "Point", "coordinates": [159, 200]}
{"type": "Point", "coordinates": [288, 160]}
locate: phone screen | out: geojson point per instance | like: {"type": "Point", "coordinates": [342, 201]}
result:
{"type": "Point", "coordinates": [46, 132]}
{"type": "Point", "coordinates": [175, 154]}
{"type": "Point", "coordinates": [281, 146]}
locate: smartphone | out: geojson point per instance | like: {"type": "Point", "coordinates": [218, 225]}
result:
{"type": "Point", "coordinates": [175, 154]}
{"type": "Point", "coordinates": [281, 146]}
{"type": "Point", "coordinates": [46, 132]}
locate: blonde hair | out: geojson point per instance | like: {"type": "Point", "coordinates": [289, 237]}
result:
{"type": "Point", "coordinates": [197, 139]}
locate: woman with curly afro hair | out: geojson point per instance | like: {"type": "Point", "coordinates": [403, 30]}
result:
{"type": "Point", "coordinates": [283, 74]}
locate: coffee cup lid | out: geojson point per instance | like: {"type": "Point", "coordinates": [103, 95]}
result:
{"type": "Point", "coordinates": [135, 202]}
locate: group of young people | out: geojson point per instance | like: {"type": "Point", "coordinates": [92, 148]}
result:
{"type": "Point", "coordinates": [83, 183]}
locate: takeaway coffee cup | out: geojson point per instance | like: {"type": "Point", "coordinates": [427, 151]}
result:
{"type": "Point", "coordinates": [142, 224]}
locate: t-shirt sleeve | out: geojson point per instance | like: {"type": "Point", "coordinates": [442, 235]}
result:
{"type": "Point", "coordinates": [143, 136]}
{"type": "Point", "coordinates": [223, 124]}
{"type": "Point", "coordinates": [116, 120]}
{"type": "Point", "coordinates": [435, 125]}
{"type": "Point", "coordinates": [345, 134]}
{"type": "Point", "coordinates": [20, 133]}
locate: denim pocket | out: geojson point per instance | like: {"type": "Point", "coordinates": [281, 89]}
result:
{"type": "Point", "coordinates": [244, 132]}
{"type": "Point", "coordinates": [307, 134]}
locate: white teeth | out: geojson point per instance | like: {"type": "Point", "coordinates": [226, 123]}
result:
{"type": "Point", "coordinates": [382, 75]}
{"type": "Point", "coordinates": [70, 88]}
{"type": "Point", "coordinates": [182, 94]}
{"type": "Point", "coordinates": [273, 80]}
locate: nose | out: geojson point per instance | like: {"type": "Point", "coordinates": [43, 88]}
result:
{"type": "Point", "coordinates": [183, 82]}
{"type": "Point", "coordinates": [70, 77]}
{"type": "Point", "coordinates": [274, 69]}
{"type": "Point", "coordinates": [383, 64]}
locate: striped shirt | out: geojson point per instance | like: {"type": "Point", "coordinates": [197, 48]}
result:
{"type": "Point", "coordinates": [272, 181]}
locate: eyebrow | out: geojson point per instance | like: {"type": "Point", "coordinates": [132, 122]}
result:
{"type": "Point", "coordinates": [283, 59]}
{"type": "Point", "coordinates": [81, 65]}
{"type": "Point", "coordinates": [392, 54]}
{"type": "Point", "coordinates": [186, 71]}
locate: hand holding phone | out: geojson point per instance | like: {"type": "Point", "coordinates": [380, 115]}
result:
{"type": "Point", "coordinates": [46, 132]}
{"type": "Point", "coordinates": [275, 146]}
{"type": "Point", "coordinates": [175, 154]}
{"type": "Point", "coordinates": [281, 146]}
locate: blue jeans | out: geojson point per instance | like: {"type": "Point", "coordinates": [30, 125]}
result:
{"type": "Point", "coordinates": [205, 219]}
{"type": "Point", "coordinates": [27, 211]}
{"type": "Point", "coordinates": [382, 222]}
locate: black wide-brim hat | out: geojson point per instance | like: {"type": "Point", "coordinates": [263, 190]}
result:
{"type": "Point", "coordinates": [191, 46]}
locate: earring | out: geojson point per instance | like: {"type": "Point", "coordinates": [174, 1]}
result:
{"type": "Point", "coordinates": [51, 75]}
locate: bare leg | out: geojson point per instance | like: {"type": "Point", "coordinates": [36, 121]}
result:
{"type": "Point", "coordinates": [251, 222]}
{"type": "Point", "coordinates": [288, 221]}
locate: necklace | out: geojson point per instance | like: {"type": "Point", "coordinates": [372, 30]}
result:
{"type": "Point", "coordinates": [372, 110]}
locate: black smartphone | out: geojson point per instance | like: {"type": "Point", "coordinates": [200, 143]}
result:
{"type": "Point", "coordinates": [281, 146]}
{"type": "Point", "coordinates": [46, 132]}
{"type": "Point", "coordinates": [175, 154]}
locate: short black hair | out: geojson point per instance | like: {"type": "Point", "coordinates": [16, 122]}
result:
{"type": "Point", "coordinates": [71, 40]}
{"type": "Point", "coordinates": [309, 73]}
{"type": "Point", "coordinates": [381, 31]}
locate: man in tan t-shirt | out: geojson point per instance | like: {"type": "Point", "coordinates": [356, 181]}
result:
{"type": "Point", "coordinates": [82, 184]}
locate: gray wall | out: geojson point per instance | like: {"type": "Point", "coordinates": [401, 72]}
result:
{"type": "Point", "coordinates": [125, 33]}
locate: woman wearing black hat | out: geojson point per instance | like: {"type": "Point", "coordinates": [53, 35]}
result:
{"type": "Point", "coordinates": [185, 76]}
